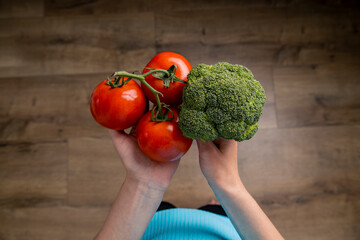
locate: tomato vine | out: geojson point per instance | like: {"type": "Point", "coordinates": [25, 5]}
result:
{"type": "Point", "coordinates": [158, 115]}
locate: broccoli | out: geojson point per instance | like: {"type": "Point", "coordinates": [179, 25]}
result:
{"type": "Point", "coordinates": [221, 100]}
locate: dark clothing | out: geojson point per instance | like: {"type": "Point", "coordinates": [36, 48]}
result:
{"type": "Point", "coordinates": [213, 208]}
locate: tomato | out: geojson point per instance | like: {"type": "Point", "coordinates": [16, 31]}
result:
{"type": "Point", "coordinates": [117, 108]}
{"type": "Point", "coordinates": [172, 94]}
{"type": "Point", "coordinates": [162, 141]}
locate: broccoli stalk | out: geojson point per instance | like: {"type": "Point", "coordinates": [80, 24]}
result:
{"type": "Point", "coordinates": [221, 101]}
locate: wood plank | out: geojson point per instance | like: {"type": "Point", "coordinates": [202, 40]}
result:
{"type": "Point", "coordinates": [247, 54]}
{"type": "Point", "coordinates": [304, 174]}
{"type": "Point", "coordinates": [328, 217]}
{"type": "Point", "coordinates": [293, 221]}
{"type": "Point", "coordinates": [300, 158]}
{"type": "Point", "coordinates": [294, 164]}
{"type": "Point", "coordinates": [229, 21]}
{"type": "Point", "coordinates": [96, 174]}
{"type": "Point", "coordinates": [59, 223]}
{"type": "Point", "coordinates": [189, 188]}
{"type": "Point", "coordinates": [101, 7]}
{"type": "Point", "coordinates": [73, 7]}
{"type": "Point", "coordinates": [309, 27]}
{"type": "Point", "coordinates": [313, 96]}
{"type": "Point", "coordinates": [21, 9]}
{"type": "Point", "coordinates": [95, 171]}
{"type": "Point", "coordinates": [305, 179]}
{"type": "Point", "coordinates": [302, 55]}
{"type": "Point", "coordinates": [308, 153]}
{"type": "Point", "coordinates": [44, 108]}
{"type": "Point", "coordinates": [289, 26]}
{"type": "Point", "coordinates": [264, 76]}
{"type": "Point", "coordinates": [71, 45]}
{"type": "Point", "coordinates": [33, 174]}
{"type": "Point", "coordinates": [211, 27]}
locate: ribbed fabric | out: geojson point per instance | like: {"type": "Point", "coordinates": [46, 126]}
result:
{"type": "Point", "coordinates": [182, 223]}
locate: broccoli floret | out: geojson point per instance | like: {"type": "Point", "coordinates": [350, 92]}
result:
{"type": "Point", "coordinates": [221, 100]}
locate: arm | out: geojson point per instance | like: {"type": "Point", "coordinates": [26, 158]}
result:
{"type": "Point", "coordinates": [131, 212]}
{"type": "Point", "coordinates": [140, 194]}
{"type": "Point", "coordinates": [218, 162]}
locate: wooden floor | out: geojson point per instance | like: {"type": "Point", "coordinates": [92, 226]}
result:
{"type": "Point", "coordinates": [58, 171]}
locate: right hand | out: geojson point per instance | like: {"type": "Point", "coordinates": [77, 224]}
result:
{"type": "Point", "coordinates": [218, 162]}
{"type": "Point", "coordinates": [139, 167]}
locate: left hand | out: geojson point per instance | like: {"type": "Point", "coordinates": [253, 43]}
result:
{"type": "Point", "coordinates": [138, 166]}
{"type": "Point", "coordinates": [218, 162]}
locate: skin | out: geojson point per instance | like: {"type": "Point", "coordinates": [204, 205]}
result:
{"type": "Point", "coordinates": [141, 192]}
{"type": "Point", "coordinates": [218, 162]}
{"type": "Point", "coordinates": [146, 181]}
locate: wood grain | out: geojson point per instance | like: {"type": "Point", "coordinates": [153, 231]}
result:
{"type": "Point", "coordinates": [96, 174]}
{"type": "Point", "coordinates": [314, 96]}
{"type": "Point", "coordinates": [264, 76]}
{"type": "Point", "coordinates": [305, 179]}
{"type": "Point", "coordinates": [51, 46]}
{"type": "Point", "coordinates": [59, 172]}
{"type": "Point", "coordinates": [252, 54]}
{"type": "Point", "coordinates": [250, 36]}
{"type": "Point", "coordinates": [61, 223]}
{"type": "Point", "coordinates": [301, 162]}
{"type": "Point", "coordinates": [185, 193]}
{"type": "Point", "coordinates": [324, 217]}
{"type": "Point", "coordinates": [33, 174]}
{"type": "Point", "coordinates": [95, 171]}
{"type": "Point", "coordinates": [101, 7]}
{"type": "Point", "coordinates": [21, 8]}
{"type": "Point", "coordinates": [48, 108]}
{"type": "Point", "coordinates": [249, 25]}
{"type": "Point", "coordinates": [317, 55]}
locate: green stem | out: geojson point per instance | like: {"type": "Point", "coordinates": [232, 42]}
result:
{"type": "Point", "coordinates": [156, 71]}
{"type": "Point", "coordinates": [159, 105]}
{"type": "Point", "coordinates": [141, 78]}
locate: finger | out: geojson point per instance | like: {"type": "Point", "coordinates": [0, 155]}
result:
{"type": "Point", "coordinates": [226, 145]}
{"type": "Point", "coordinates": [133, 131]}
{"type": "Point", "coordinates": [118, 135]}
{"type": "Point", "coordinates": [115, 133]}
{"type": "Point", "coordinates": [122, 142]}
{"type": "Point", "coordinates": [205, 147]}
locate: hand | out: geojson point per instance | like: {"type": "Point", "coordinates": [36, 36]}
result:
{"type": "Point", "coordinates": [218, 162]}
{"type": "Point", "coordinates": [138, 166]}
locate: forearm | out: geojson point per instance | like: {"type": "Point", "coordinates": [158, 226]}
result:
{"type": "Point", "coordinates": [131, 212]}
{"type": "Point", "coordinates": [246, 215]}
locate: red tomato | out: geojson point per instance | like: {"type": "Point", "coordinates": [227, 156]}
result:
{"type": "Point", "coordinates": [162, 141]}
{"type": "Point", "coordinates": [117, 108]}
{"type": "Point", "coordinates": [172, 94]}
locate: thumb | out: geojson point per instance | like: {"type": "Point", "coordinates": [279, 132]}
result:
{"type": "Point", "coordinates": [115, 135]}
{"type": "Point", "coordinates": [225, 145]}
{"type": "Point", "coordinates": [124, 144]}
{"type": "Point", "coordinates": [119, 138]}
{"type": "Point", "coordinates": [205, 147]}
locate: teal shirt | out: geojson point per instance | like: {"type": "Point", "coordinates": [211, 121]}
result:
{"type": "Point", "coordinates": [182, 223]}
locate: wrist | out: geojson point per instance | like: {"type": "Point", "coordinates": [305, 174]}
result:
{"type": "Point", "coordinates": [227, 185]}
{"type": "Point", "coordinates": [144, 185]}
